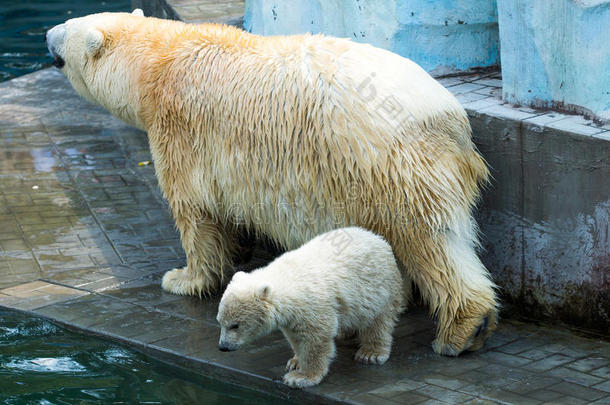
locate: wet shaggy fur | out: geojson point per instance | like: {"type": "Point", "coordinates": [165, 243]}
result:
{"type": "Point", "coordinates": [342, 281]}
{"type": "Point", "coordinates": [290, 137]}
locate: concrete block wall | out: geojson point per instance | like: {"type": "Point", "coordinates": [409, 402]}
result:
{"type": "Point", "coordinates": [545, 217]}
{"type": "Point", "coordinates": [556, 53]}
{"type": "Point", "coordinates": [443, 36]}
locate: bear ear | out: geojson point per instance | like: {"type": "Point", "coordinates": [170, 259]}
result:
{"type": "Point", "coordinates": [264, 291]}
{"type": "Point", "coordinates": [93, 41]}
{"type": "Point", "coordinates": [238, 275]}
{"type": "Point", "coordinates": [138, 12]}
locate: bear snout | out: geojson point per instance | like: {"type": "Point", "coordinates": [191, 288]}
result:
{"type": "Point", "coordinates": [55, 40]}
{"type": "Point", "coordinates": [226, 347]}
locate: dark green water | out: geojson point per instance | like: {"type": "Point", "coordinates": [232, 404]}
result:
{"type": "Point", "coordinates": [41, 363]}
{"type": "Point", "coordinates": [23, 24]}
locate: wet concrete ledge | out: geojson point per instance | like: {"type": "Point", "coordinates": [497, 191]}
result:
{"type": "Point", "coordinates": [544, 219]}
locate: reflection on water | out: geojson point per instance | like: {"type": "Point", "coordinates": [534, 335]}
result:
{"type": "Point", "coordinates": [24, 23]}
{"type": "Point", "coordinates": [45, 364]}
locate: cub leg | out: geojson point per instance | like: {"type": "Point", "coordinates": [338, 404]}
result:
{"type": "Point", "coordinates": [376, 338]}
{"type": "Point", "coordinates": [315, 348]}
{"type": "Point", "coordinates": [293, 363]}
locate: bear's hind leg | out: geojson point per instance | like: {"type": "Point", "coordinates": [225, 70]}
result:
{"type": "Point", "coordinates": [456, 285]}
{"type": "Point", "coordinates": [209, 249]}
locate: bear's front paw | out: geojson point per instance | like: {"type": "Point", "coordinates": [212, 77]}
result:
{"type": "Point", "coordinates": [186, 282]}
{"type": "Point", "coordinates": [292, 364]}
{"type": "Point", "coordinates": [296, 379]}
{"type": "Point", "coordinates": [371, 356]}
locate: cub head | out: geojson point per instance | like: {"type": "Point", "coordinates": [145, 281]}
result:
{"type": "Point", "coordinates": [245, 312]}
{"type": "Point", "coordinates": [88, 50]}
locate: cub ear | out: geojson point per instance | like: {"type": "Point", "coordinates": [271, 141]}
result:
{"type": "Point", "coordinates": [264, 291]}
{"type": "Point", "coordinates": [238, 275]}
{"type": "Point", "coordinates": [138, 12]}
{"type": "Point", "coordinates": [93, 41]}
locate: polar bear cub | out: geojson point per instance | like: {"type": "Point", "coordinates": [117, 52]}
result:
{"type": "Point", "coordinates": [345, 280]}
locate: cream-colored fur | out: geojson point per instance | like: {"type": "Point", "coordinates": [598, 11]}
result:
{"type": "Point", "coordinates": [290, 137]}
{"type": "Point", "coordinates": [341, 281]}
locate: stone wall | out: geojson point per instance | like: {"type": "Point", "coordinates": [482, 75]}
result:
{"type": "Point", "coordinates": [545, 219]}
{"type": "Point", "coordinates": [444, 36]}
{"type": "Point", "coordinates": [556, 53]}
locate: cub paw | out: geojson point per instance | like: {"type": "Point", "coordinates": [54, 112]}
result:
{"type": "Point", "coordinates": [371, 356]}
{"type": "Point", "coordinates": [296, 379]}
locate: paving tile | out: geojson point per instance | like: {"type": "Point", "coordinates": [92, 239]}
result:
{"type": "Point", "coordinates": [603, 135]}
{"type": "Point", "coordinates": [603, 372]}
{"type": "Point", "coordinates": [518, 346]}
{"type": "Point", "coordinates": [601, 401]}
{"type": "Point", "coordinates": [604, 386]}
{"type": "Point", "coordinates": [548, 363]}
{"type": "Point", "coordinates": [465, 88]}
{"type": "Point", "coordinates": [491, 82]}
{"type": "Point", "coordinates": [578, 391]}
{"type": "Point", "coordinates": [398, 387]}
{"type": "Point", "coordinates": [482, 104]}
{"type": "Point", "coordinates": [528, 385]}
{"type": "Point", "coordinates": [574, 376]}
{"type": "Point", "coordinates": [545, 395]}
{"type": "Point", "coordinates": [410, 398]}
{"type": "Point", "coordinates": [500, 395]}
{"type": "Point", "coordinates": [450, 81]}
{"type": "Point", "coordinates": [87, 310]}
{"type": "Point", "coordinates": [443, 394]}
{"type": "Point", "coordinates": [546, 118]}
{"type": "Point", "coordinates": [143, 293]}
{"type": "Point", "coordinates": [374, 400]}
{"type": "Point", "coordinates": [480, 401]}
{"type": "Point", "coordinates": [466, 98]}
{"type": "Point", "coordinates": [590, 363]}
{"type": "Point", "coordinates": [535, 354]}
{"type": "Point", "coordinates": [576, 124]}
{"type": "Point", "coordinates": [505, 359]}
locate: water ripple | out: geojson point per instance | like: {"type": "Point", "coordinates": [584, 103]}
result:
{"type": "Point", "coordinates": [47, 365]}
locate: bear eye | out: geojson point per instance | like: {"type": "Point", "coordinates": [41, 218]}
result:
{"type": "Point", "coordinates": [233, 326]}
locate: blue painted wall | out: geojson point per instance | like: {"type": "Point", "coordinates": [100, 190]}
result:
{"type": "Point", "coordinates": [443, 36]}
{"type": "Point", "coordinates": [557, 53]}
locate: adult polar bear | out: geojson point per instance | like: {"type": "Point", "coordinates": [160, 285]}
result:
{"type": "Point", "coordinates": [291, 137]}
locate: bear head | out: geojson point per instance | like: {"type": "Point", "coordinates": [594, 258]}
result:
{"type": "Point", "coordinates": [91, 52]}
{"type": "Point", "coordinates": [245, 312]}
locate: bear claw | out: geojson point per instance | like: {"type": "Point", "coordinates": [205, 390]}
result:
{"type": "Point", "coordinates": [368, 357]}
{"type": "Point", "coordinates": [292, 364]}
{"type": "Point", "coordinates": [296, 379]}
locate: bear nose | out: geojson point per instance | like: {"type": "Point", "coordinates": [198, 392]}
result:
{"type": "Point", "coordinates": [55, 38]}
{"type": "Point", "coordinates": [223, 348]}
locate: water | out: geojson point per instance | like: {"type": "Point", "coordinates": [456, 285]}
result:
{"type": "Point", "coordinates": [23, 24]}
{"type": "Point", "coordinates": [44, 364]}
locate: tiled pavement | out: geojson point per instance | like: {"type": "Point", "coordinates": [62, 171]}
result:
{"type": "Point", "coordinates": [85, 238]}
